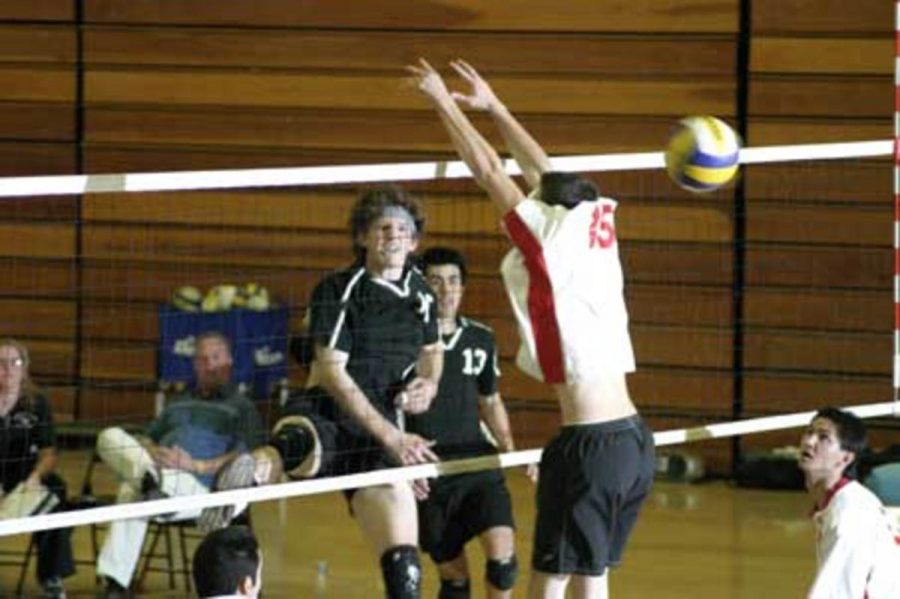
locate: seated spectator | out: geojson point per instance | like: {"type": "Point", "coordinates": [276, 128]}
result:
{"type": "Point", "coordinates": [28, 484]}
{"type": "Point", "coordinates": [197, 432]}
{"type": "Point", "coordinates": [228, 563]}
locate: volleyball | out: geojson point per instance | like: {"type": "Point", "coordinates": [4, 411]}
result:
{"type": "Point", "coordinates": [702, 154]}
{"type": "Point", "coordinates": [187, 298]}
{"type": "Point", "coordinates": [252, 296]}
{"type": "Point", "coordinates": [219, 298]}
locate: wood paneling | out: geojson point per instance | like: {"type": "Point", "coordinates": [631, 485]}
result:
{"type": "Point", "coordinates": [38, 278]}
{"type": "Point", "coordinates": [818, 97]}
{"type": "Point", "coordinates": [388, 51]}
{"type": "Point", "coordinates": [37, 84]}
{"type": "Point", "coordinates": [37, 318]}
{"type": "Point", "coordinates": [836, 56]}
{"type": "Point", "coordinates": [39, 121]}
{"type": "Point", "coordinates": [851, 181]}
{"type": "Point", "coordinates": [527, 15]}
{"type": "Point", "coordinates": [28, 158]}
{"type": "Point", "coordinates": [831, 225]}
{"type": "Point", "coordinates": [584, 96]}
{"type": "Point", "coordinates": [830, 267]}
{"type": "Point", "coordinates": [357, 130]}
{"type": "Point", "coordinates": [822, 16]}
{"type": "Point", "coordinates": [819, 309]}
{"type": "Point", "coordinates": [37, 43]}
{"type": "Point", "coordinates": [770, 392]}
{"type": "Point", "coordinates": [28, 240]}
{"type": "Point", "coordinates": [779, 131]}
{"type": "Point", "coordinates": [852, 353]}
{"type": "Point", "coordinates": [37, 10]}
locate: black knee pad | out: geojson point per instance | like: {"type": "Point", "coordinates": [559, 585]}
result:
{"type": "Point", "coordinates": [402, 572]}
{"type": "Point", "coordinates": [501, 573]}
{"type": "Point", "coordinates": [454, 589]}
{"type": "Point", "coordinates": [293, 444]}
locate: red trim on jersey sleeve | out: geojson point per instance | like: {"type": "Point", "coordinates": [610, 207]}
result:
{"type": "Point", "coordinates": [541, 307]}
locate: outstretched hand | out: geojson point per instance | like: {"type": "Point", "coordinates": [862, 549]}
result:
{"type": "Point", "coordinates": [481, 97]}
{"type": "Point", "coordinates": [427, 80]}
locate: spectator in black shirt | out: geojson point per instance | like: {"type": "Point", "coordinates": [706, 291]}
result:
{"type": "Point", "coordinates": [27, 461]}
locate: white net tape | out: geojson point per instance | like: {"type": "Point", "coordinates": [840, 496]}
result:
{"type": "Point", "coordinates": [407, 473]}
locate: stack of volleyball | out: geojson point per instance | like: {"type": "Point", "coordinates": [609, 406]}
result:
{"type": "Point", "coordinates": [222, 298]}
{"type": "Point", "coordinates": [702, 154]}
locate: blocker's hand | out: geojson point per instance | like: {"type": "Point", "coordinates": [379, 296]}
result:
{"type": "Point", "coordinates": [481, 97]}
{"type": "Point", "coordinates": [428, 81]}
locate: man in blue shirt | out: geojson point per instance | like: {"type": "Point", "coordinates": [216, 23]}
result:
{"type": "Point", "coordinates": [195, 435]}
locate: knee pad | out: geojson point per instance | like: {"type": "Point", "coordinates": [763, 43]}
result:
{"type": "Point", "coordinates": [454, 589]}
{"type": "Point", "coordinates": [293, 443]}
{"type": "Point", "coordinates": [501, 573]}
{"type": "Point", "coordinates": [402, 572]}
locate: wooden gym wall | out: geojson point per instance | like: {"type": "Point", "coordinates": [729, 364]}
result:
{"type": "Point", "coordinates": [137, 85]}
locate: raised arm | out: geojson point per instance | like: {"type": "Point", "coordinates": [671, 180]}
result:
{"type": "Point", "coordinates": [475, 151]}
{"type": "Point", "coordinates": [525, 149]}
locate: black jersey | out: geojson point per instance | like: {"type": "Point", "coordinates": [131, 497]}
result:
{"type": "Point", "coordinates": [381, 325]}
{"type": "Point", "coordinates": [27, 429]}
{"type": "Point", "coordinates": [470, 371]}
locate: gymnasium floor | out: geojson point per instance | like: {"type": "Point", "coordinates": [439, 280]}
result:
{"type": "Point", "coordinates": [693, 542]}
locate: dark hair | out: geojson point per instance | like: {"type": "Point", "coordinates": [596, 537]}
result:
{"type": "Point", "coordinates": [370, 206]}
{"type": "Point", "coordinates": [224, 559]}
{"type": "Point", "coordinates": [566, 189]}
{"type": "Point", "coordinates": [851, 434]}
{"type": "Point", "coordinates": [439, 256]}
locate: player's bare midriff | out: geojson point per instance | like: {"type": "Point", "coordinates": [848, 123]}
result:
{"type": "Point", "coordinates": [600, 399]}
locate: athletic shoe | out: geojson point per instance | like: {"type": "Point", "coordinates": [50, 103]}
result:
{"type": "Point", "coordinates": [236, 474]}
{"type": "Point", "coordinates": [52, 588]}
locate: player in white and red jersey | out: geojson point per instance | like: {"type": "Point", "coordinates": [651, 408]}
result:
{"type": "Point", "coordinates": [564, 280]}
{"type": "Point", "coordinates": [857, 551]}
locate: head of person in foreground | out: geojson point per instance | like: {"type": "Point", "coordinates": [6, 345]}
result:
{"type": "Point", "coordinates": [228, 563]}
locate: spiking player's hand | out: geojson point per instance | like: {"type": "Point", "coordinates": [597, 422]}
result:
{"type": "Point", "coordinates": [481, 97]}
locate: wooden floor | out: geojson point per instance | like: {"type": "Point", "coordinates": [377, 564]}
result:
{"type": "Point", "coordinates": [699, 541]}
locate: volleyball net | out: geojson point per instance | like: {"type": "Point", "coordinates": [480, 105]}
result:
{"type": "Point", "coordinates": [812, 327]}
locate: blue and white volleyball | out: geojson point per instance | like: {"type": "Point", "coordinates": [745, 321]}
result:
{"type": "Point", "coordinates": [702, 154]}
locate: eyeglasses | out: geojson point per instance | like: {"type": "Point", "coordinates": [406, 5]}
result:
{"type": "Point", "coordinates": [12, 362]}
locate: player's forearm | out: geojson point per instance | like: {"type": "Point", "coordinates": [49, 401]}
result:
{"type": "Point", "coordinates": [498, 421]}
{"type": "Point", "coordinates": [528, 153]}
{"type": "Point", "coordinates": [355, 404]}
{"type": "Point", "coordinates": [45, 464]}
{"type": "Point", "coordinates": [471, 146]}
{"type": "Point", "coordinates": [430, 364]}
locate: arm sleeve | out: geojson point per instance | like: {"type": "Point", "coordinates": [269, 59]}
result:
{"type": "Point", "coordinates": [532, 221]}
{"type": "Point", "coordinates": [46, 432]}
{"type": "Point", "coordinates": [432, 330]}
{"type": "Point", "coordinates": [487, 378]}
{"type": "Point", "coordinates": [330, 317]}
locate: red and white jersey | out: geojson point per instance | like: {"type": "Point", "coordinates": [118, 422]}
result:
{"type": "Point", "coordinates": [857, 550]}
{"type": "Point", "coordinates": [565, 285]}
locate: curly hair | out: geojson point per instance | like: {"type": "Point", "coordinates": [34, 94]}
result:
{"type": "Point", "coordinates": [370, 206]}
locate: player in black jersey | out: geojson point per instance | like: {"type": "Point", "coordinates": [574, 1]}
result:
{"type": "Point", "coordinates": [465, 506]}
{"type": "Point", "coordinates": [377, 355]}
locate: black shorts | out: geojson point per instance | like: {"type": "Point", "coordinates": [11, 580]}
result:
{"type": "Point", "coordinates": [346, 449]}
{"type": "Point", "coordinates": [461, 507]}
{"type": "Point", "coordinates": [594, 479]}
